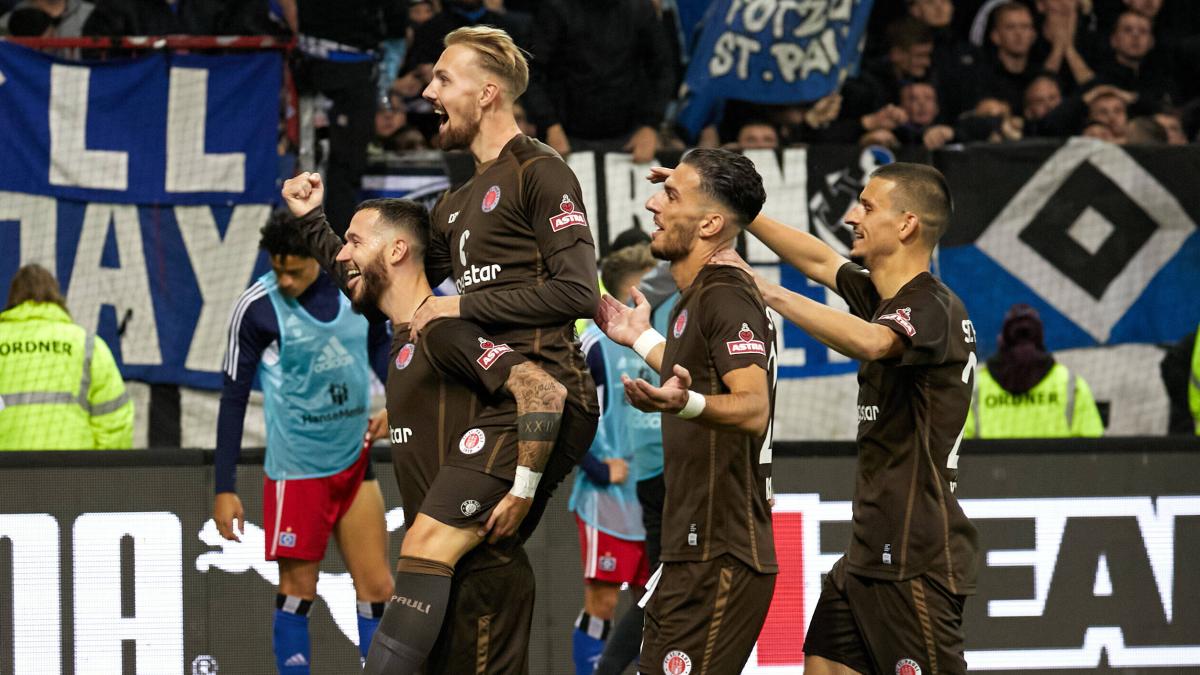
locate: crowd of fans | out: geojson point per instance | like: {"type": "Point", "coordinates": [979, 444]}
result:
{"type": "Point", "coordinates": [606, 75]}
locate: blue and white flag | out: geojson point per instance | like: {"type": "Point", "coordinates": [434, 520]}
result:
{"type": "Point", "coordinates": [778, 51]}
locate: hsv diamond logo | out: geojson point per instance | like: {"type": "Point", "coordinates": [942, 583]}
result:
{"type": "Point", "coordinates": [903, 318]}
{"type": "Point", "coordinates": [491, 199]}
{"type": "Point", "coordinates": [472, 442]}
{"type": "Point", "coordinates": [1088, 232]}
{"type": "Point", "coordinates": [287, 539]}
{"type": "Point", "coordinates": [405, 355]}
{"type": "Point", "coordinates": [746, 344]}
{"type": "Point", "coordinates": [568, 217]}
{"type": "Point", "coordinates": [608, 563]}
{"type": "Point", "coordinates": [680, 324]}
{"type": "Point", "coordinates": [677, 662]}
{"type": "Point", "coordinates": [491, 352]}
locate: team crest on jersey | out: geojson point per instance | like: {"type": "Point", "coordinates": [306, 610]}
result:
{"type": "Point", "coordinates": [472, 441]}
{"type": "Point", "coordinates": [287, 539]}
{"type": "Point", "coordinates": [903, 318]}
{"type": "Point", "coordinates": [680, 324]}
{"type": "Point", "coordinates": [491, 200]}
{"type": "Point", "coordinates": [607, 563]}
{"type": "Point", "coordinates": [491, 352]}
{"type": "Point", "coordinates": [746, 344]}
{"type": "Point", "coordinates": [469, 507]}
{"type": "Point", "coordinates": [907, 667]}
{"type": "Point", "coordinates": [568, 216]}
{"type": "Point", "coordinates": [677, 662]}
{"type": "Point", "coordinates": [405, 356]}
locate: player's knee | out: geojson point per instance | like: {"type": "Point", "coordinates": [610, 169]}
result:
{"type": "Point", "coordinates": [601, 600]}
{"type": "Point", "coordinates": [378, 587]}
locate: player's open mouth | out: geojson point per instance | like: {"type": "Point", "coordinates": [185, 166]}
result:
{"type": "Point", "coordinates": [444, 118]}
{"type": "Point", "coordinates": [353, 278]}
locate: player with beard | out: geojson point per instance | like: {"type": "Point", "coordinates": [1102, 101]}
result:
{"type": "Point", "coordinates": [894, 602]}
{"type": "Point", "coordinates": [472, 423]}
{"type": "Point", "coordinates": [710, 597]}
{"type": "Point", "coordinates": [514, 237]}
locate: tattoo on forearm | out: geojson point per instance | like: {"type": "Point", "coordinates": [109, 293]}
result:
{"type": "Point", "coordinates": [539, 413]}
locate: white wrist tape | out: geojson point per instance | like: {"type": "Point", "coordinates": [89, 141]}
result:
{"type": "Point", "coordinates": [525, 483]}
{"type": "Point", "coordinates": [693, 407]}
{"type": "Point", "coordinates": [647, 341]}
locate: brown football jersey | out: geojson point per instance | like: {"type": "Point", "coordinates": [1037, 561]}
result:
{"type": "Point", "coordinates": [911, 412]}
{"type": "Point", "coordinates": [445, 405]}
{"type": "Point", "coordinates": [518, 230]}
{"type": "Point", "coordinates": [718, 483]}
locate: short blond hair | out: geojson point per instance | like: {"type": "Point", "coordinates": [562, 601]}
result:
{"type": "Point", "coordinates": [498, 54]}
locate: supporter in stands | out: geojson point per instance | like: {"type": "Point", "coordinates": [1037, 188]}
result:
{"type": "Point", "coordinates": [909, 54]}
{"type": "Point", "coordinates": [178, 17]}
{"type": "Point", "coordinates": [601, 76]}
{"type": "Point", "coordinates": [1100, 132]}
{"type": "Point", "coordinates": [1136, 66]}
{"type": "Point", "coordinates": [953, 57]}
{"type": "Point", "coordinates": [757, 135]}
{"type": "Point", "coordinates": [1022, 392]}
{"type": "Point", "coordinates": [1007, 73]}
{"type": "Point", "coordinates": [1048, 113]}
{"type": "Point", "coordinates": [30, 22]}
{"type": "Point", "coordinates": [68, 16]}
{"type": "Point", "coordinates": [1145, 130]}
{"type": "Point", "coordinates": [1110, 108]}
{"type": "Point", "coordinates": [920, 103]}
{"type": "Point", "coordinates": [991, 121]}
{"type": "Point", "coordinates": [1060, 23]}
{"type": "Point", "coordinates": [604, 498]}
{"type": "Point", "coordinates": [59, 385]}
{"type": "Point", "coordinates": [338, 42]}
{"type": "Point", "coordinates": [1172, 123]}
{"type": "Point", "coordinates": [426, 44]}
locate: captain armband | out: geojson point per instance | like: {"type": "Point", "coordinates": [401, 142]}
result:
{"type": "Point", "coordinates": [647, 341]}
{"type": "Point", "coordinates": [538, 426]}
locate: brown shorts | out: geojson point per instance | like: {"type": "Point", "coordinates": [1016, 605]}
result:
{"type": "Point", "coordinates": [461, 497]}
{"type": "Point", "coordinates": [911, 627]}
{"type": "Point", "coordinates": [491, 610]}
{"type": "Point", "coordinates": [704, 617]}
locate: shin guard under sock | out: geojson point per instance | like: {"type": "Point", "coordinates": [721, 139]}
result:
{"type": "Point", "coordinates": [290, 635]}
{"type": "Point", "coordinates": [413, 617]}
{"type": "Point", "coordinates": [588, 642]}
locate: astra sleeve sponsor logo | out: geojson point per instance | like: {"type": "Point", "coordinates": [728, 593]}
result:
{"type": "Point", "coordinates": [491, 352]}
{"type": "Point", "coordinates": [746, 344]}
{"type": "Point", "coordinates": [901, 317]}
{"type": "Point", "coordinates": [1067, 583]}
{"type": "Point", "coordinates": [567, 216]}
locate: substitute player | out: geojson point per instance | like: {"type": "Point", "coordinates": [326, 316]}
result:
{"type": "Point", "coordinates": [295, 330]}
{"type": "Point", "coordinates": [717, 365]}
{"type": "Point", "coordinates": [472, 423]}
{"type": "Point", "coordinates": [515, 237]}
{"type": "Point", "coordinates": [604, 497]}
{"type": "Point", "coordinates": [894, 602]}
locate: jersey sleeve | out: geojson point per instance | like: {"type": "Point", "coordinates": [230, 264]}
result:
{"type": "Point", "coordinates": [855, 287]}
{"type": "Point", "coordinates": [735, 326]}
{"type": "Point", "coordinates": [554, 205]}
{"type": "Point", "coordinates": [922, 320]}
{"type": "Point", "coordinates": [461, 350]}
{"type": "Point", "coordinates": [252, 329]}
{"type": "Point", "coordinates": [438, 265]}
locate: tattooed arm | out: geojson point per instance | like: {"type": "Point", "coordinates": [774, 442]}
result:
{"type": "Point", "coordinates": [540, 400]}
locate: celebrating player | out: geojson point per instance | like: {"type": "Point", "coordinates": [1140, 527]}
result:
{"type": "Point", "coordinates": [894, 602]}
{"type": "Point", "coordinates": [472, 422]}
{"type": "Point", "coordinates": [311, 351]}
{"type": "Point", "coordinates": [515, 236]}
{"type": "Point", "coordinates": [717, 365]}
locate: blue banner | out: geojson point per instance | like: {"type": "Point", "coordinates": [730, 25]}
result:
{"type": "Point", "coordinates": [160, 129]}
{"type": "Point", "coordinates": [772, 52]}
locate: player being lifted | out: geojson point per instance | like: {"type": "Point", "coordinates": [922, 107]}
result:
{"type": "Point", "coordinates": [894, 602]}
{"type": "Point", "coordinates": [514, 237]}
{"type": "Point", "coordinates": [717, 367]}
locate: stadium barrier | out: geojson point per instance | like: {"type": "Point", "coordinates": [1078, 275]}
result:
{"type": "Point", "coordinates": [110, 563]}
